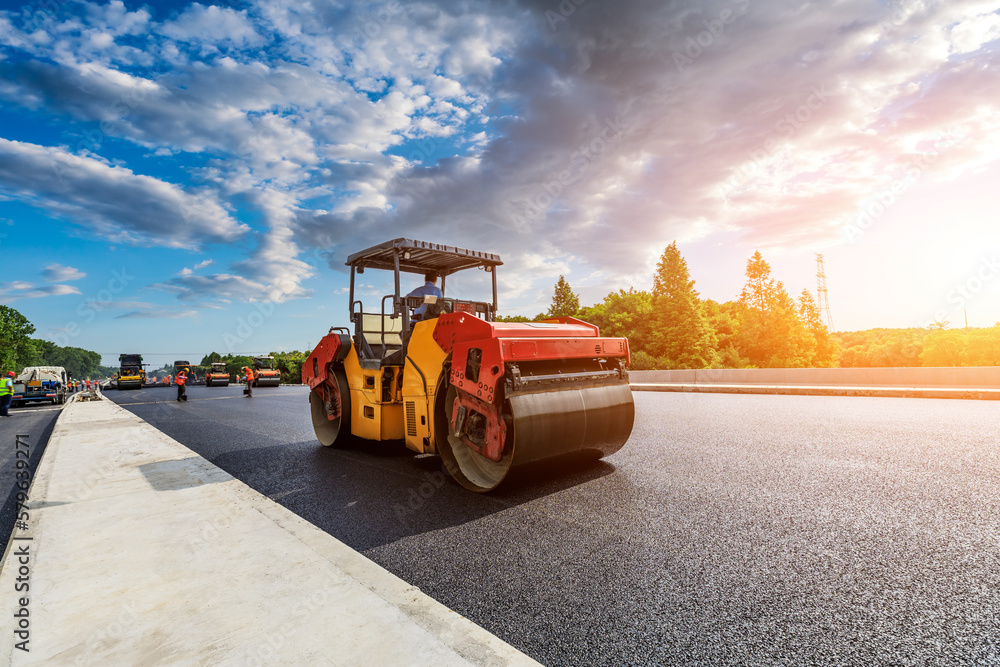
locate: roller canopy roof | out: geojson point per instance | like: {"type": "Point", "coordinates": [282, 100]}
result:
{"type": "Point", "coordinates": [423, 257]}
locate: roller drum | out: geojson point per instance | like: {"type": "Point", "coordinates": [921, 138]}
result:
{"type": "Point", "coordinates": [543, 425]}
{"type": "Point", "coordinates": [548, 424]}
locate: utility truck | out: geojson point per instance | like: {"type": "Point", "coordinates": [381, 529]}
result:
{"type": "Point", "coordinates": [40, 383]}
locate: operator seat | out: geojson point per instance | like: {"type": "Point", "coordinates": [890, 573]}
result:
{"type": "Point", "coordinates": [376, 330]}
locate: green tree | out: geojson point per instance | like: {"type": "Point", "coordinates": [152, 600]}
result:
{"type": "Point", "coordinates": [210, 358]}
{"type": "Point", "coordinates": [643, 361]}
{"type": "Point", "coordinates": [627, 314]}
{"type": "Point", "coordinates": [17, 350]}
{"type": "Point", "coordinates": [290, 365]}
{"type": "Point", "coordinates": [236, 364]}
{"type": "Point", "coordinates": [825, 349]}
{"type": "Point", "coordinates": [624, 313]}
{"type": "Point", "coordinates": [943, 348]}
{"type": "Point", "coordinates": [880, 347]}
{"type": "Point", "coordinates": [79, 363]}
{"type": "Point", "coordinates": [681, 335]}
{"type": "Point", "coordinates": [564, 302]}
{"type": "Point", "coordinates": [982, 347]}
{"type": "Point", "coordinates": [725, 320]}
{"type": "Point", "coordinates": [771, 335]}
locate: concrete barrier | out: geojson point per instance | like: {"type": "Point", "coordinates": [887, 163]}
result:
{"type": "Point", "coordinates": [963, 377]}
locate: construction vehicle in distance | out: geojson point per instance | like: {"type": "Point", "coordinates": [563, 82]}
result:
{"type": "Point", "coordinates": [131, 374]}
{"type": "Point", "coordinates": [181, 365]}
{"type": "Point", "coordinates": [217, 376]}
{"type": "Point", "coordinates": [40, 383]}
{"type": "Point", "coordinates": [264, 372]}
{"type": "Point", "coordinates": [485, 396]}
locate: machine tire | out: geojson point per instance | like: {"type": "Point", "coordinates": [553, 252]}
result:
{"type": "Point", "coordinates": [470, 469]}
{"type": "Point", "coordinates": [332, 433]}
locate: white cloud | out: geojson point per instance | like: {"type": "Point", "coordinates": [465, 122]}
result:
{"type": "Point", "coordinates": [111, 201]}
{"type": "Point", "coordinates": [200, 265]}
{"type": "Point", "coordinates": [14, 291]}
{"type": "Point", "coordinates": [56, 273]}
{"type": "Point", "coordinates": [157, 313]}
{"type": "Point", "coordinates": [212, 25]}
{"type": "Point", "coordinates": [478, 124]}
{"type": "Point", "coordinates": [219, 287]}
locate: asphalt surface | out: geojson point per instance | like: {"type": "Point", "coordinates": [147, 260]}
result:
{"type": "Point", "coordinates": [34, 423]}
{"type": "Point", "coordinates": [730, 530]}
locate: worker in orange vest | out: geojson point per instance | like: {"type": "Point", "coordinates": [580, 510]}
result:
{"type": "Point", "coordinates": [181, 381]}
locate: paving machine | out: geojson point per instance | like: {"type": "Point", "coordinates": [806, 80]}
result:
{"type": "Point", "coordinates": [131, 374]}
{"type": "Point", "coordinates": [485, 396]}
{"type": "Point", "coordinates": [217, 375]}
{"type": "Point", "coordinates": [264, 372]}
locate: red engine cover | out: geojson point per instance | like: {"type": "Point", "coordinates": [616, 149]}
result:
{"type": "Point", "coordinates": [500, 342]}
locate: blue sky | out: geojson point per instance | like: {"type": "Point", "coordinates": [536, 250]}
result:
{"type": "Point", "coordinates": [181, 178]}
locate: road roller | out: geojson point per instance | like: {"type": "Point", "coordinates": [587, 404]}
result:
{"type": "Point", "coordinates": [132, 373]}
{"type": "Point", "coordinates": [264, 372]}
{"type": "Point", "coordinates": [218, 375]}
{"type": "Point", "coordinates": [441, 374]}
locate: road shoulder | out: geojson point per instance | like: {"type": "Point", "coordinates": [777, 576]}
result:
{"type": "Point", "coordinates": [143, 552]}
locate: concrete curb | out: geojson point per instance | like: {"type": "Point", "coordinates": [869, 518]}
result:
{"type": "Point", "coordinates": [822, 390]}
{"type": "Point", "coordinates": [142, 552]}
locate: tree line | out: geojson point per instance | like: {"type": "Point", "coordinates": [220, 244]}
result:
{"type": "Point", "coordinates": [672, 327]}
{"type": "Point", "coordinates": [19, 350]}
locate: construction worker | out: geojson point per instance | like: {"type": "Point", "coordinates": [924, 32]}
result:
{"type": "Point", "coordinates": [181, 381]}
{"type": "Point", "coordinates": [6, 393]}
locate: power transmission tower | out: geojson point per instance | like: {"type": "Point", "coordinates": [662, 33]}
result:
{"type": "Point", "coordinates": [823, 299]}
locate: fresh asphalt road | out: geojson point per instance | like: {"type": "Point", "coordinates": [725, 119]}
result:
{"type": "Point", "coordinates": [35, 421]}
{"type": "Point", "coordinates": [731, 529]}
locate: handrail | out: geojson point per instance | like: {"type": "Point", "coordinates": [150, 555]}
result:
{"type": "Point", "coordinates": [417, 368]}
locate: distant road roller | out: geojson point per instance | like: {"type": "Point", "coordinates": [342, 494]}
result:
{"type": "Point", "coordinates": [132, 373]}
{"type": "Point", "coordinates": [218, 376]}
{"type": "Point", "coordinates": [485, 396]}
{"type": "Point", "coordinates": [264, 372]}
